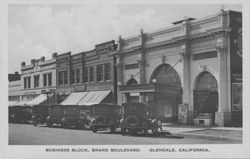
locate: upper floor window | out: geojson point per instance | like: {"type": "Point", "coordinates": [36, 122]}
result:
{"type": "Point", "coordinates": [103, 72]}
{"type": "Point", "coordinates": [63, 77]}
{"type": "Point", "coordinates": [86, 75]}
{"type": "Point", "coordinates": [107, 72]}
{"type": "Point", "coordinates": [60, 78]}
{"type": "Point", "coordinates": [36, 81]}
{"type": "Point", "coordinates": [75, 76]}
{"type": "Point", "coordinates": [47, 79]}
{"type": "Point", "coordinates": [27, 83]}
{"type": "Point", "coordinates": [91, 74]}
{"type": "Point", "coordinates": [100, 72]}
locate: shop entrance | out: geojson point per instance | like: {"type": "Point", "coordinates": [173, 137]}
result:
{"type": "Point", "coordinates": [165, 101]}
{"type": "Point", "coordinates": [132, 97]}
{"type": "Point", "coordinates": [206, 96]}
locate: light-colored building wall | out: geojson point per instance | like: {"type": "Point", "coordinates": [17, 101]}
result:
{"type": "Point", "coordinates": [38, 67]}
{"type": "Point", "coordinates": [15, 90]}
{"type": "Point", "coordinates": [190, 47]}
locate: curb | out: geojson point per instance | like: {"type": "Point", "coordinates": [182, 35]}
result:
{"type": "Point", "coordinates": [208, 136]}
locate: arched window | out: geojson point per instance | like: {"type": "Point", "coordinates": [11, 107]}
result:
{"type": "Point", "coordinates": [132, 81]}
{"type": "Point", "coordinates": [166, 74]}
{"type": "Point", "coordinates": [206, 81]}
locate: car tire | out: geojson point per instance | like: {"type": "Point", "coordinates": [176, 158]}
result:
{"type": "Point", "coordinates": [112, 129]}
{"type": "Point", "coordinates": [123, 131]}
{"type": "Point", "coordinates": [49, 124]}
{"type": "Point", "coordinates": [94, 130]}
{"type": "Point", "coordinates": [155, 130]}
{"type": "Point", "coordinates": [34, 123]}
{"type": "Point", "coordinates": [146, 132]}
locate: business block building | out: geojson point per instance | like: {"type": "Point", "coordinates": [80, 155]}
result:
{"type": "Point", "coordinates": [37, 77]}
{"type": "Point", "coordinates": [88, 77]}
{"type": "Point", "coordinates": [190, 72]}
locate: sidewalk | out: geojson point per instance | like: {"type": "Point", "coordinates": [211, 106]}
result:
{"type": "Point", "coordinates": [231, 133]}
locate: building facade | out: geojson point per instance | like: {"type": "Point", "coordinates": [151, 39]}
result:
{"type": "Point", "coordinates": [99, 69]}
{"type": "Point", "coordinates": [87, 71]}
{"type": "Point", "coordinates": [15, 92]}
{"type": "Point", "coordinates": [63, 70]}
{"type": "Point", "coordinates": [186, 73]}
{"type": "Point", "coordinates": [39, 75]}
{"type": "Point", "coordinates": [14, 77]}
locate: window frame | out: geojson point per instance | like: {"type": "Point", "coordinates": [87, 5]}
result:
{"type": "Point", "coordinates": [36, 81]}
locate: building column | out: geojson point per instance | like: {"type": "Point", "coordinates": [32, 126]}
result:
{"type": "Point", "coordinates": [223, 115]}
{"type": "Point", "coordinates": [142, 66]}
{"type": "Point", "coordinates": [186, 97]}
{"type": "Point", "coordinates": [119, 66]}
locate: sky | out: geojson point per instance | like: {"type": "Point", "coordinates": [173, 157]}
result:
{"type": "Point", "coordinates": [40, 30]}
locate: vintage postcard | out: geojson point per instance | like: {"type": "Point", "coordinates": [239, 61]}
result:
{"type": "Point", "coordinates": [116, 79]}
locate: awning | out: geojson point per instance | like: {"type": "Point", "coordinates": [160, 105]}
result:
{"type": "Point", "coordinates": [38, 100]}
{"type": "Point", "coordinates": [12, 103]}
{"type": "Point", "coordinates": [74, 98]}
{"type": "Point", "coordinates": [21, 103]}
{"type": "Point", "coordinates": [94, 97]}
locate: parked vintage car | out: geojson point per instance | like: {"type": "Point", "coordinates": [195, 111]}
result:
{"type": "Point", "coordinates": [55, 115]}
{"type": "Point", "coordinates": [20, 114]}
{"type": "Point", "coordinates": [137, 118]}
{"type": "Point", "coordinates": [40, 114]}
{"type": "Point", "coordinates": [105, 116]}
{"type": "Point", "coordinates": [77, 116]}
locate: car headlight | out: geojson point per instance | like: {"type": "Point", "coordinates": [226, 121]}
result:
{"type": "Point", "coordinates": [121, 121]}
{"type": "Point", "coordinates": [63, 119]}
{"type": "Point", "coordinates": [159, 123]}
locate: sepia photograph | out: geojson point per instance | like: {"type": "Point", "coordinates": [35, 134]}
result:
{"type": "Point", "coordinates": [94, 78]}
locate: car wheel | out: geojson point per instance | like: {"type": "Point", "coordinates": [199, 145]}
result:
{"type": "Point", "coordinates": [63, 125]}
{"type": "Point", "coordinates": [155, 130]}
{"type": "Point", "coordinates": [146, 132]}
{"type": "Point", "coordinates": [131, 132]}
{"type": "Point", "coordinates": [49, 124]}
{"type": "Point", "coordinates": [94, 129]}
{"type": "Point", "coordinates": [34, 123]}
{"type": "Point", "coordinates": [123, 130]}
{"type": "Point", "coordinates": [112, 129]}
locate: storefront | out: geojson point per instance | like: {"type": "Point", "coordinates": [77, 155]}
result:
{"type": "Point", "coordinates": [188, 65]}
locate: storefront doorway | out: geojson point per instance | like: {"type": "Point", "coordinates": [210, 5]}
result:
{"type": "Point", "coordinates": [206, 96]}
{"type": "Point", "coordinates": [165, 101]}
{"type": "Point", "coordinates": [132, 97]}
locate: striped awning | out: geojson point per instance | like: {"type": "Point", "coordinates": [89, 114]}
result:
{"type": "Point", "coordinates": [12, 103]}
{"type": "Point", "coordinates": [86, 98]}
{"type": "Point", "coordinates": [22, 103]}
{"type": "Point", "coordinates": [38, 100]}
{"type": "Point", "coordinates": [94, 97]}
{"type": "Point", "coordinates": [74, 98]}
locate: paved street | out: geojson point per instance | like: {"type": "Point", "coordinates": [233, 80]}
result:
{"type": "Point", "coordinates": [22, 134]}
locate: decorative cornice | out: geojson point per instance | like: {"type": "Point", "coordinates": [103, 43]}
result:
{"type": "Point", "coordinates": [210, 33]}
{"type": "Point", "coordinates": [221, 49]}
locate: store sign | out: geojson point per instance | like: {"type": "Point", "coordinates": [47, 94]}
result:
{"type": "Point", "coordinates": [79, 88]}
{"type": "Point", "coordinates": [236, 96]}
{"type": "Point", "coordinates": [236, 78]}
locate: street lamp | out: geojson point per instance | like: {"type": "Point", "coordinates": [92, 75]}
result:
{"type": "Point", "coordinates": [154, 80]}
{"type": "Point", "coordinates": [48, 92]}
